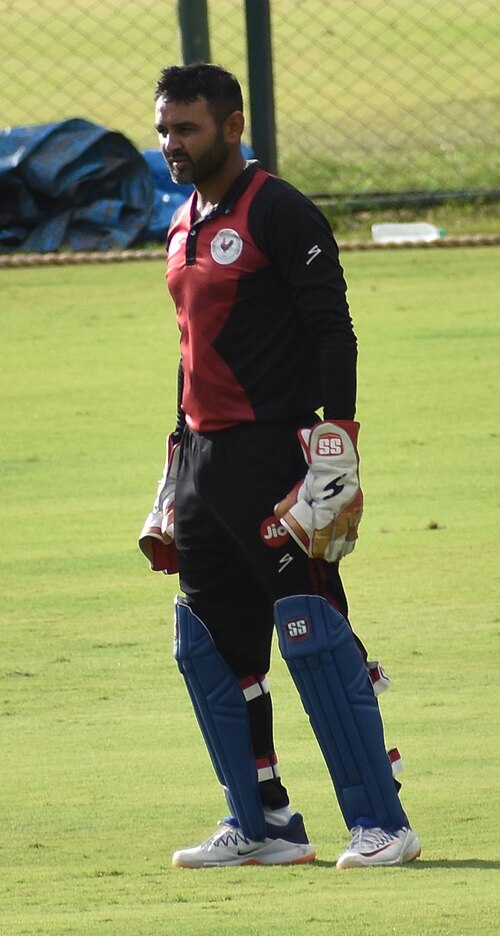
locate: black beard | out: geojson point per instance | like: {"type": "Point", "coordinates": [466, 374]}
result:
{"type": "Point", "coordinates": [206, 166]}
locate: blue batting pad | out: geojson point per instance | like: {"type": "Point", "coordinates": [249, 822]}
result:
{"type": "Point", "coordinates": [222, 715]}
{"type": "Point", "coordinates": [319, 648]}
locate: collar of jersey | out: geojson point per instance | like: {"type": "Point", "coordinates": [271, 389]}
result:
{"type": "Point", "coordinates": [233, 193]}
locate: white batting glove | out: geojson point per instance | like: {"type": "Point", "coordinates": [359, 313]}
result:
{"type": "Point", "coordinates": [156, 539]}
{"type": "Point", "coordinates": [322, 512]}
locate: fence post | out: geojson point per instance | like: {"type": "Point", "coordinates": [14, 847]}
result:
{"type": "Point", "coordinates": [260, 79]}
{"type": "Point", "coordinates": [194, 32]}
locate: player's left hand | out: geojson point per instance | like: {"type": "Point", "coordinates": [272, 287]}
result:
{"type": "Point", "coordinates": [322, 512]}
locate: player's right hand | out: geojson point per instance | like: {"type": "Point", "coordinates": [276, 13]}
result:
{"type": "Point", "coordinates": [160, 550]}
{"type": "Point", "coordinates": [156, 539]}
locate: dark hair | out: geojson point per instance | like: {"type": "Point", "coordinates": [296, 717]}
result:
{"type": "Point", "coordinates": [188, 82]}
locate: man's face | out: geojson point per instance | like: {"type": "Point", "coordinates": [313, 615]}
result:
{"type": "Point", "coordinates": [191, 141]}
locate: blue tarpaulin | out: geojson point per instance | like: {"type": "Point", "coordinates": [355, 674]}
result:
{"type": "Point", "coordinates": [72, 184]}
{"type": "Point", "coordinates": [77, 185]}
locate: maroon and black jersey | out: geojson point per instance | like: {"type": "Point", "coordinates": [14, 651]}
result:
{"type": "Point", "coordinates": [261, 303]}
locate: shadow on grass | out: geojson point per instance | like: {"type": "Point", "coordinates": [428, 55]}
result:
{"type": "Point", "coordinates": [479, 863]}
{"type": "Point", "coordinates": [423, 865]}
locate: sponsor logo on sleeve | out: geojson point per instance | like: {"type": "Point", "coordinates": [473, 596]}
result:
{"type": "Point", "coordinates": [313, 253]}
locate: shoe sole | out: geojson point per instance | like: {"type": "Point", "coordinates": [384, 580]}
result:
{"type": "Point", "coordinates": [300, 859]}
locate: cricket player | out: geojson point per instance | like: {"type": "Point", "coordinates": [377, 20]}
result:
{"type": "Point", "coordinates": [260, 498]}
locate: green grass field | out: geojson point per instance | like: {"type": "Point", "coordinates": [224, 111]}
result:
{"type": "Point", "coordinates": [103, 772]}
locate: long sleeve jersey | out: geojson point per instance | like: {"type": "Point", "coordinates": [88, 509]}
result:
{"type": "Point", "coordinates": [265, 329]}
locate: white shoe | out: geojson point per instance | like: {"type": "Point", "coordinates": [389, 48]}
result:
{"type": "Point", "coordinates": [229, 846]}
{"type": "Point", "coordinates": [375, 847]}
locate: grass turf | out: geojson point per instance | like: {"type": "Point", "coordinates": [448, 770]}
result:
{"type": "Point", "coordinates": [103, 770]}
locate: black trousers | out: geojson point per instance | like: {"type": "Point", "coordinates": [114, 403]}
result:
{"type": "Point", "coordinates": [235, 559]}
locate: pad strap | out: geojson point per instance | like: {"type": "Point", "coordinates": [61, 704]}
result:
{"type": "Point", "coordinates": [221, 710]}
{"type": "Point", "coordinates": [318, 646]}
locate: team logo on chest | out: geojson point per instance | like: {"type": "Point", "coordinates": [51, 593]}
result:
{"type": "Point", "coordinates": [226, 246]}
